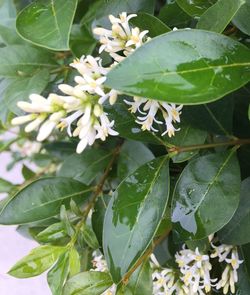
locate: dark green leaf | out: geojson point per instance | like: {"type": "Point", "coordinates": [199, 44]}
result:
{"type": "Point", "coordinates": [52, 233]}
{"type": "Point", "coordinates": [36, 262]}
{"type": "Point", "coordinates": [185, 66]}
{"type": "Point", "coordinates": [61, 149]}
{"type": "Point", "coordinates": [133, 216]}
{"type": "Point", "coordinates": [188, 135]}
{"type": "Point", "coordinates": [97, 218]}
{"type": "Point", "coordinates": [85, 167]}
{"type": "Point", "coordinates": [47, 23]}
{"type": "Point", "coordinates": [218, 16]}
{"type": "Point", "coordinates": [27, 172]}
{"type": "Point", "coordinates": [236, 231]}
{"type": "Point", "coordinates": [241, 20]}
{"type": "Point", "coordinates": [88, 283]}
{"type": "Point", "coordinates": [206, 185]}
{"type": "Point", "coordinates": [42, 199]}
{"type": "Point", "coordinates": [58, 274]}
{"type": "Point", "coordinates": [195, 7]}
{"type": "Point", "coordinates": [89, 237]}
{"type": "Point", "coordinates": [133, 154]}
{"type": "Point", "coordinates": [145, 21]}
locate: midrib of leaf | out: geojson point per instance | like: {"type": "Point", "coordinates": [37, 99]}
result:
{"type": "Point", "coordinates": [215, 120]}
{"type": "Point", "coordinates": [142, 206]}
{"type": "Point", "coordinates": [90, 287]}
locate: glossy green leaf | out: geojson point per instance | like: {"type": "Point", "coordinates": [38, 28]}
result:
{"type": "Point", "coordinates": [89, 237]}
{"type": "Point", "coordinates": [127, 127]}
{"type": "Point", "coordinates": [185, 66]}
{"type": "Point", "coordinates": [206, 185]}
{"type": "Point", "coordinates": [74, 262]}
{"type": "Point", "coordinates": [145, 21]}
{"type": "Point", "coordinates": [20, 61]}
{"type": "Point", "coordinates": [57, 276]}
{"type": "Point", "coordinates": [195, 8]}
{"type": "Point", "coordinates": [140, 282]}
{"type": "Point", "coordinates": [100, 10]}
{"type": "Point", "coordinates": [236, 231]}
{"type": "Point", "coordinates": [86, 166]}
{"type": "Point", "coordinates": [133, 154]}
{"type": "Point", "coordinates": [22, 87]}
{"type": "Point", "coordinates": [97, 218]}
{"type": "Point", "coordinates": [36, 262]}
{"type": "Point", "coordinates": [241, 20]}
{"type": "Point", "coordinates": [218, 16]}
{"type": "Point", "coordinates": [133, 216]}
{"type": "Point", "coordinates": [52, 233]}
{"type": "Point", "coordinates": [88, 283]}
{"type": "Point", "coordinates": [42, 199]}
{"type": "Point", "coordinates": [188, 135]}
{"type": "Point", "coordinates": [47, 23]}
{"type": "Point", "coordinates": [5, 186]}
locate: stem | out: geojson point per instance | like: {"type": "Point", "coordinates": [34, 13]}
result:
{"type": "Point", "coordinates": [144, 256]}
{"type": "Point", "coordinates": [176, 150]}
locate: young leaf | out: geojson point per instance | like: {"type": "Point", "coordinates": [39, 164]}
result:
{"type": "Point", "coordinates": [89, 237]}
{"type": "Point", "coordinates": [206, 185]}
{"type": "Point", "coordinates": [5, 186]}
{"type": "Point", "coordinates": [133, 216]}
{"type": "Point", "coordinates": [218, 16]}
{"type": "Point", "coordinates": [58, 274]}
{"type": "Point", "coordinates": [133, 154]}
{"type": "Point", "coordinates": [42, 199]}
{"type": "Point", "coordinates": [52, 233]}
{"type": "Point", "coordinates": [195, 8]}
{"type": "Point", "coordinates": [74, 262]}
{"type": "Point", "coordinates": [241, 19]}
{"type": "Point", "coordinates": [27, 172]}
{"type": "Point", "coordinates": [88, 283]}
{"type": "Point", "coordinates": [183, 67]}
{"type": "Point", "coordinates": [236, 231]}
{"type": "Point", "coordinates": [85, 167]}
{"type": "Point", "coordinates": [47, 23]}
{"type": "Point", "coordinates": [36, 262]}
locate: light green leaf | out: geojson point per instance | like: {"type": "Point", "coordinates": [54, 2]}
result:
{"type": "Point", "coordinates": [195, 8]}
{"type": "Point", "coordinates": [241, 19]}
{"type": "Point", "coordinates": [134, 215]}
{"type": "Point", "coordinates": [236, 232]}
{"type": "Point", "coordinates": [133, 154]}
{"type": "Point", "coordinates": [52, 233]}
{"type": "Point", "coordinates": [88, 283]}
{"type": "Point", "coordinates": [42, 199]}
{"type": "Point", "coordinates": [5, 186]}
{"type": "Point", "coordinates": [74, 262]}
{"type": "Point", "coordinates": [85, 167]}
{"type": "Point", "coordinates": [89, 237]}
{"type": "Point", "coordinates": [36, 262]}
{"type": "Point", "coordinates": [218, 16]}
{"type": "Point", "coordinates": [58, 274]}
{"type": "Point", "coordinates": [154, 25]}
{"type": "Point", "coordinates": [206, 185]}
{"type": "Point", "coordinates": [184, 67]}
{"type": "Point", "coordinates": [47, 23]}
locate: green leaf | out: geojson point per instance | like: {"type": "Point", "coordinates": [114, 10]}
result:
{"type": "Point", "coordinates": [218, 16]}
{"type": "Point", "coordinates": [88, 283]}
{"type": "Point", "coordinates": [74, 262]}
{"type": "Point", "coordinates": [58, 274]}
{"type": "Point", "coordinates": [82, 41]}
{"type": "Point", "coordinates": [188, 135]}
{"type": "Point", "coordinates": [184, 67]}
{"type": "Point", "coordinates": [89, 237]}
{"type": "Point", "coordinates": [236, 231]}
{"type": "Point", "coordinates": [5, 186]}
{"type": "Point", "coordinates": [52, 233]}
{"type": "Point", "coordinates": [47, 23]}
{"type": "Point", "coordinates": [98, 215]}
{"type": "Point", "coordinates": [85, 167]}
{"type": "Point", "coordinates": [140, 282]}
{"type": "Point", "coordinates": [100, 10]}
{"type": "Point", "coordinates": [20, 88]}
{"type": "Point", "coordinates": [36, 262]}
{"type": "Point", "coordinates": [27, 172]}
{"type": "Point", "coordinates": [19, 61]}
{"type": "Point", "coordinates": [195, 8]}
{"type": "Point", "coordinates": [241, 20]}
{"type": "Point", "coordinates": [154, 25]}
{"type": "Point", "coordinates": [134, 215]}
{"type": "Point", "coordinates": [127, 127]}
{"type": "Point", "coordinates": [206, 185]}
{"type": "Point", "coordinates": [133, 154]}
{"type": "Point", "coordinates": [42, 199]}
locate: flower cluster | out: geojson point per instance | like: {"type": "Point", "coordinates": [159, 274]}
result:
{"type": "Point", "coordinates": [193, 273]}
{"type": "Point", "coordinates": [81, 106]}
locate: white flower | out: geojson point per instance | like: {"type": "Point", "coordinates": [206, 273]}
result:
{"type": "Point", "coordinates": [99, 263]}
{"type": "Point", "coordinates": [104, 127]}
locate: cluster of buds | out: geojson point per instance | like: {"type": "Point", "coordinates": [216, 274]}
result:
{"type": "Point", "coordinates": [82, 105]}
